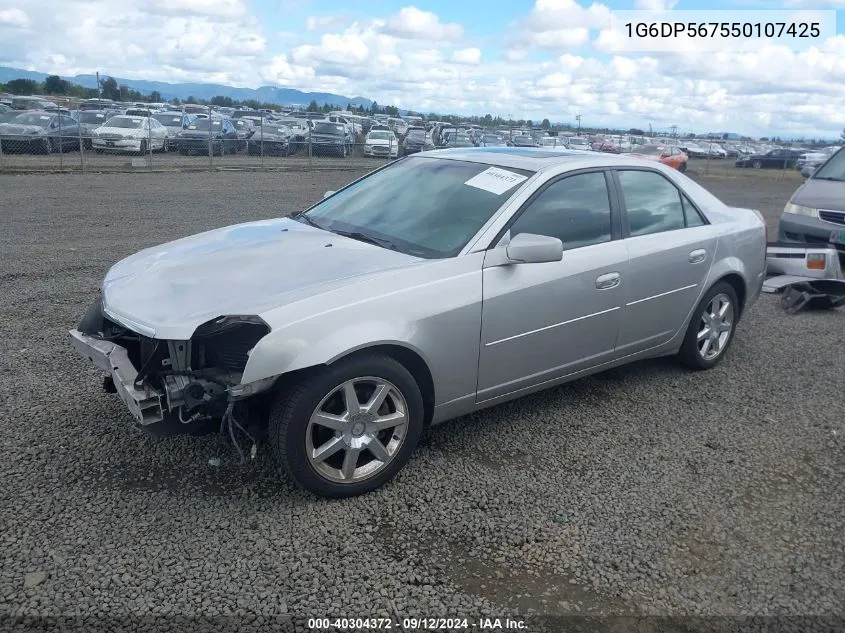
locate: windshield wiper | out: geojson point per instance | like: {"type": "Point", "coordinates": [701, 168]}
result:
{"type": "Point", "coordinates": [369, 239]}
{"type": "Point", "coordinates": [304, 218]}
{"type": "Point", "coordinates": [831, 178]}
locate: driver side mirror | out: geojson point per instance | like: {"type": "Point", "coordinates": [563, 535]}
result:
{"type": "Point", "coordinates": [528, 248]}
{"type": "Point", "coordinates": [327, 194]}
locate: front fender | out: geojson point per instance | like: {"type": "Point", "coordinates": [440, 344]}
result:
{"type": "Point", "coordinates": [433, 310]}
{"type": "Point", "coordinates": [282, 352]}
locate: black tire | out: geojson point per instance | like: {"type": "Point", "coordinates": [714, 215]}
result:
{"type": "Point", "coordinates": [689, 355]}
{"type": "Point", "coordinates": [292, 409]}
{"type": "Point", "coordinates": [47, 146]}
{"type": "Point", "coordinates": [683, 168]}
{"type": "Point", "coordinates": [757, 164]}
{"type": "Point", "coordinates": [142, 148]}
{"type": "Point", "coordinates": [99, 150]}
{"type": "Point", "coordinates": [184, 152]}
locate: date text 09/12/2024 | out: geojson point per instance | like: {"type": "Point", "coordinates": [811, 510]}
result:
{"type": "Point", "coordinates": [417, 624]}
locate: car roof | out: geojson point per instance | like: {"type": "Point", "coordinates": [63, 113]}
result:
{"type": "Point", "coordinates": [536, 159]}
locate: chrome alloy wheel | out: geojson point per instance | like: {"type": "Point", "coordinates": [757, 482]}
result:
{"type": "Point", "coordinates": [357, 429]}
{"type": "Point", "coordinates": [716, 327]}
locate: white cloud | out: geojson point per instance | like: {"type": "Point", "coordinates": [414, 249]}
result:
{"type": "Point", "coordinates": [655, 5]}
{"type": "Point", "coordinates": [14, 17]}
{"type": "Point", "coordinates": [414, 60]}
{"type": "Point", "coordinates": [561, 24]}
{"type": "Point", "coordinates": [413, 23]}
{"type": "Point", "coordinates": [467, 56]}
{"type": "Point", "coordinates": [219, 8]}
{"type": "Point", "coordinates": [324, 22]}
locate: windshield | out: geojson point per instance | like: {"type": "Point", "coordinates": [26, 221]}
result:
{"type": "Point", "coordinates": [651, 150]}
{"type": "Point", "coordinates": [92, 117]}
{"type": "Point", "coordinates": [833, 169]}
{"type": "Point", "coordinates": [384, 136]}
{"type": "Point", "coordinates": [126, 122]}
{"type": "Point", "coordinates": [387, 205]}
{"type": "Point", "coordinates": [41, 120]}
{"type": "Point", "coordinates": [490, 138]}
{"type": "Point", "coordinates": [272, 129]}
{"type": "Point", "coordinates": [328, 128]}
{"type": "Point", "coordinates": [170, 120]}
{"type": "Point", "coordinates": [417, 135]}
{"type": "Point", "coordinates": [578, 141]}
{"type": "Point", "coordinates": [202, 124]}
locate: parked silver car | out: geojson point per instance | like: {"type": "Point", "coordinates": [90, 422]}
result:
{"type": "Point", "coordinates": [440, 284]}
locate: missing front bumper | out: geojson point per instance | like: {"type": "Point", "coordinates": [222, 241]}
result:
{"type": "Point", "coordinates": [144, 404]}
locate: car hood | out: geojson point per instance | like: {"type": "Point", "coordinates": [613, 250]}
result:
{"type": "Point", "coordinates": [167, 291]}
{"type": "Point", "coordinates": [11, 128]}
{"type": "Point", "coordinates": [327, 137]}
{"type": "Point", "coordinates": [381, 141]}
{"type": "Point", "coordinates": [200, 133]}
{"type": "Point", "coordinates": [821, 194]}
{"type": "Point", "coordinates": [122, 132]}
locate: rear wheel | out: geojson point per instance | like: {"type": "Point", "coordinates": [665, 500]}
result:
{"type": "Point", "coordinates": [757, 164]}
{"type": "Point", "coordinates": [711, 329]}
{"type": "Point", "coordinates": [47, 146]}
{"type": "Point", "coordinates": [683, 167]}
{"type": "Point", "coordinates": [349, 428]}
{"type": "Point", "coordinates": [142, 148]}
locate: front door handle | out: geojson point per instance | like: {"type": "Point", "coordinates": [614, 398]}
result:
{"type": "Point", "coordinates": [610, 280]}
{"type": "Point", "coordinates": [697, 256]}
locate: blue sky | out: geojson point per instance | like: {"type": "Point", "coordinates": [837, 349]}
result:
{"type": "Point", "coordinates": [530, 58]}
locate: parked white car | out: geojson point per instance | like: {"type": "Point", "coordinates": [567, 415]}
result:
{"type": "Point", "coordinates": [380, 142]}
{"type": "Point", "coordinates": [130, 134]}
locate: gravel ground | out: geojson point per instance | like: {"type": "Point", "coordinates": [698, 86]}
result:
{"type": "Point", "coordinates": [644, 490]}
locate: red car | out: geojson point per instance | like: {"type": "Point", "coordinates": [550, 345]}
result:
{"type": "Point", "coordinates": [666, 154]}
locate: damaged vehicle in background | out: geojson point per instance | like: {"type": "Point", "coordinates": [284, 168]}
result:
{"type": "Point", "coordinates": [38, 133]}
{"type": "Point", "coordinates": [134, 134]}
{"type": "Point", "coordinates": [216, 136]}
{"type": "Point", "coordinates": [381, 143]}
{"type": "Point", "coordinates": [270, 139]}
{"type": "Point", "coordinates": [399, 302]}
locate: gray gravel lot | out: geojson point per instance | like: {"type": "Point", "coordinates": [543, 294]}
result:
{"type": "Point", "coordinates": [644, 490]}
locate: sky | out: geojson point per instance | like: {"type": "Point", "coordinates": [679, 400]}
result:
{"type": "Point", "coordinates": [531, 59]}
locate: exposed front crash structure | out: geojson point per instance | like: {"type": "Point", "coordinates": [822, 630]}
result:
{"type": "Point", "coordinates": [810, 276]}
{"type": "Point", "coordinates": [193, 381]}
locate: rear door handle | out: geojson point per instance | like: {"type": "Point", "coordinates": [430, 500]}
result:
{"type": "Point", "coordinates": [697, 256]}
{"type": "Point", "coordinates": [609, 280]}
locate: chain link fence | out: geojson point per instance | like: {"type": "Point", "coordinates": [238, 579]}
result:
{"type": "Point", "coordinates": [142, 140]}
{"type": "Point", "coordinates": [91, 140]}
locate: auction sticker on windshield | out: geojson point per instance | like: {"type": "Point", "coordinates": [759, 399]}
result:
{"type": "Point", "coordinates": [496, 180]}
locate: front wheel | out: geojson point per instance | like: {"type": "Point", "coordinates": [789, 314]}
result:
{"type": "Point", "coordinates": [682, 168]}
{"type": "Point", "coordinates": [757, 164]}
{"type": "Point", "coordinates": [711, 329]}
{"type": "Point", "coordinates": [349, 428]}
{"type": "Point", "coordinates": [142, 148]}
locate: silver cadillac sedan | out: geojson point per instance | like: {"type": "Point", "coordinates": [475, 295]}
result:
{"type": "Point", "coordinates": [440, 284]}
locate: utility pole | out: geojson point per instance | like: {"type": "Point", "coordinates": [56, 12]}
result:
{"type": "Point", "coordinates": [98, 85]}
{"type": "Point", "coordinates": [674, 129]}
{"type": "Point", "coordinates": [578, 118]}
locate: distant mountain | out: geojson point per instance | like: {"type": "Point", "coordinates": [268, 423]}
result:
{"type": "Point", "coordinates": [266, 94]}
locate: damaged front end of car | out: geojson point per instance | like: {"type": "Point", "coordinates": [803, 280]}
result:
{"type": "Point", "coordinates": [195, 381]}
